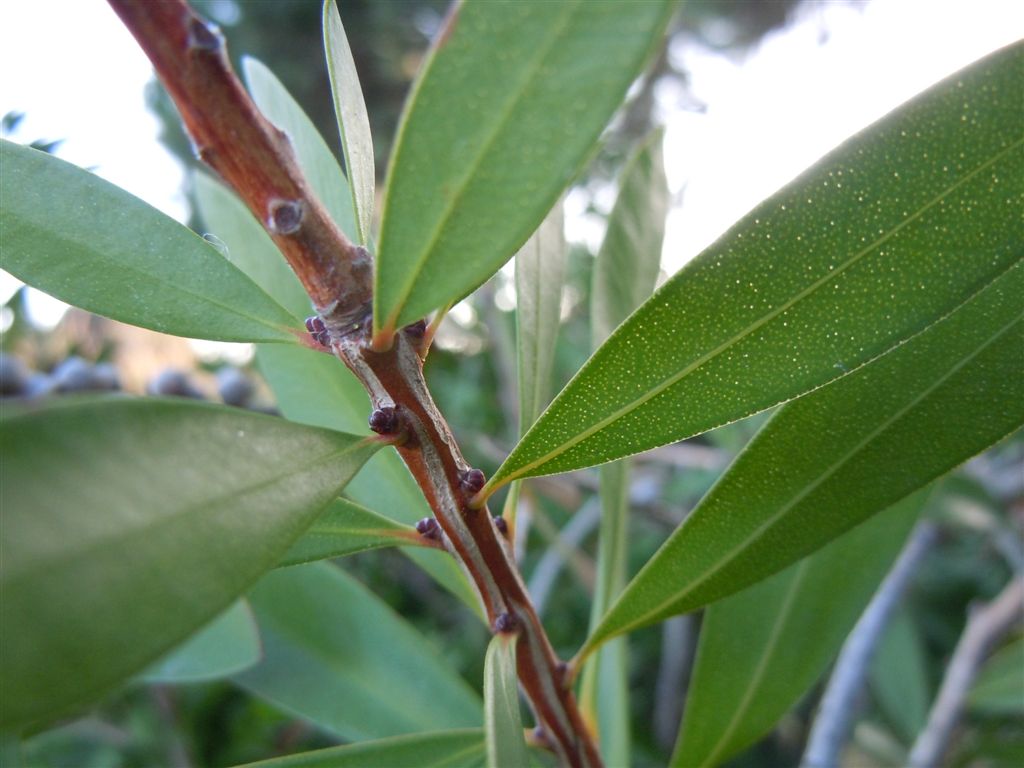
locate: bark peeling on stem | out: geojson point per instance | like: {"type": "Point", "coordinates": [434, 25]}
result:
{"type": "Point", "coordinates": [258, 161]}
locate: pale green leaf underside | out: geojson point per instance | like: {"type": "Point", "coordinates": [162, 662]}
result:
{"type": "Point", "coordinates": [77, 237]}
{"type": "Point", "coordinates": [627, 265]}
{"type": "Point", "coordinates": [540, 273]}
{"type": "Point", "coordinates": [337, 655]}
{"type": "Point", "coordinates": [848, 450]}
{"type": "Point", "coordinates": [315, 388]}
{"type": "Point", "coordinates": [502, 722]}
{"type": "Point", "coordinates": [762, 649]}
{"type": "Point", "coordinates": [492, 134]}
{"type": "Point", "coordinates": [128, 524]}
{"type": "Point", "coordinates": [316, 160]}
{"type": "Point", "coordinates": [899, 677]}
{"type": "Point", "coordinates": [891, 231]}
{"type": "Point", "coordinates": [225, 646]}
{"type": "Point", "coordinates": [442, 749]}
{"type": "Point", "coordinates": [353, 122]}
{"type": "Point", "coordinates": [345, 528]}
{"type": "Point", "coordinates": [999, 687]}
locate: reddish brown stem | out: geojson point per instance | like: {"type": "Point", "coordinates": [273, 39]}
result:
{"type": "Point", "coordinates": [257, 160]}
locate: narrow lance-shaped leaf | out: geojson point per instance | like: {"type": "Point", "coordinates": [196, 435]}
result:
{"type": "Point", "coordinates": [337, 655]}
{"type": "Point", "coordinates": [762, 649]}
{"type": "Point", "coordinates": [128, 524]}
{"type": "Point", "coordinates": [70, 233]}
{"type": "Point", "coordinates": [353, 121]}
{"type": "Point", "coordinates": [624, 276]}
{"type": "Point", "coordinates": [999, 687]}
{"type": "Point", "coordinates": [899, 677]}
{"type": "Point", "coordinates": [627, 265]}
{"type": "Point", "coordinates": [315, 158]}
{"type": "Point", "coordinates": [506, 111]}
{"type": "Point", "coordinates": [225, 646]}
{"type": "Point", "coordinates": [346, 528]}
{"type": "Point", "coordinates": [540, 273]}
{"type": "Point", "coordinates": [441, 749]}
{"type": "Point", "coordinates": [831, 459]}
{"type": "Point", "coordinates": [888, 233]}
{"type": "Point", "coordinates": [502, 721]}
{"type": "Point", "coordinates": [316, 389]}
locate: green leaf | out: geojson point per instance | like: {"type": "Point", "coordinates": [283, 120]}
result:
{"type": "Point", "coordinates": [624, 275]}
{"type": "Point", "coordinates": [89, 243]}
{"type": "Point", "coordinates": [627, 265]}
{"type": "Point", "coordinates": [604, 691]}
{"type": "Point", "coordinates": [999, 688]}
{"type": "Point", "coordinates": [317, 389]}
{"type": "Point", "coordinates": [891, 231]}
{"type": "Point", "coordinates": [345, 528]}
{"type": "Point", "coordinates": [247, 245]}
{"type": "Point", "coordinates": [313, 388]}
{"type": "Point", "coordinates": [128, 524]}
{"type": "Point", "coordinates": [443, 749]}
{"type": "Point", "coordinates": [353, 121]}
{"type": "Point", "coordinates": [540, 273]}
{"type": "Point", "coordinates": [762, 649]}
{"type": "Point", "coordinates": [315, 158]}
{"type": "Point", "coordinates": [899, 677]}
{"type": "Point", "coordinates": [337, 655]}
{"type": "Point", "coordinates": [502, 722]}
{"type": "Point", "coordinates": [492, 134]}
{"type": "Point", "coordinates": [228, 644]}
{"type": "Point", "coordinates": [831, 459]}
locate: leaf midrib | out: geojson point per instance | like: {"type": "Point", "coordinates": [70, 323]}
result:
{"type": "Point", "coordinates": [737, 550]}
{"type": "Point", "coordinates": [485, 147]}
{"type": "Point", "coordinates": [753, 327]}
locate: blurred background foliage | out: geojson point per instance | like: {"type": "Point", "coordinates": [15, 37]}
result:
{"type": "Point", "coordinates": [471, 369]}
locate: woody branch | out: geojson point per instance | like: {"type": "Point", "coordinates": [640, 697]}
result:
{"type": "Point", "coordinates": [258, 161]}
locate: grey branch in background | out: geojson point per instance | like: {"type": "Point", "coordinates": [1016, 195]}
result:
{"type": "Point", "coordinates": [986, 626]}
{"type": "Point", "coordinates": [832, 725]}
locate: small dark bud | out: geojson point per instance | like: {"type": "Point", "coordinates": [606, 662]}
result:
{"type": "Point", "coordinates": [14, 376]}
{"type": "Point", "coordinates": [472, 480]}
{"type": "Point", "coordinates": [429, 529]}
{"type": "Point", "coordinates": [505, 623]}
{"type": "Point", "coordinates": [203, 36]}
{"type": "Point", "coordinates": [172, 383]}
{"type": "Point", "coordinates": [104, 377]}
{"type": "Point", "coordinates": [384, 421]}
{"type": "Point", "coordinates": [285, 216]}
{"type": "Point", "coordinates": [501, 525]}
{"type": "Point", "coordinates": [234, 387]}
{"type": "Point", "coordinates": [318, 331]}
{"type": "Point", "coordinates": [73, 375]}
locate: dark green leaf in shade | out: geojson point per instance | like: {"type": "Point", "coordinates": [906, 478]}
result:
{"type": "Point", "coordinates": [315, 388]}
{"type": "Point", "coordinates": [442, 749]}
{"type": "Point", "coordinates": [315, 158]}
{"type": "Point", "coordinates": [128, 524]}
{"type": "Point", "coordinates": [70, 233]}
{"type": "Point", "coordinates": [540, 273]}
{"type": "Point", "coordinates": [345, 528]}
{"type": "Point", "coordinates": [831, 459]}
{"type": "Point", "coordinates": [503, 723]}
{"type": "Point", "coordinates": [999, 687]}
{"type": "Point", "coordinates": [337, 655]}
{"type": "Point", "coordinates": [506, 111]}
{"type": "Point", "coordinates": [899, 677]}
{"type": "Point", "coordinates": [627, 265]}
{"type": "Point", "coordinates": [228, 644]}
{"type": "Point", "coordinates": [353, 121]}
{"type": "Point", "coordinates": [762, 649]}
{"type": "Point", "coordinates": [878, 240]}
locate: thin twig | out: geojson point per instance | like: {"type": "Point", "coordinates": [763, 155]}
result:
{"type": "Point", "coordinates": [258, 161]}
{"type": "Point", "coordinates": [986, 626]}
{"type": "Point", "coordinates": [838, 705]}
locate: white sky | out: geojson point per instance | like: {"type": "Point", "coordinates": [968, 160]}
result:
{"type": "Point", "coordinates": [79, 76]}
